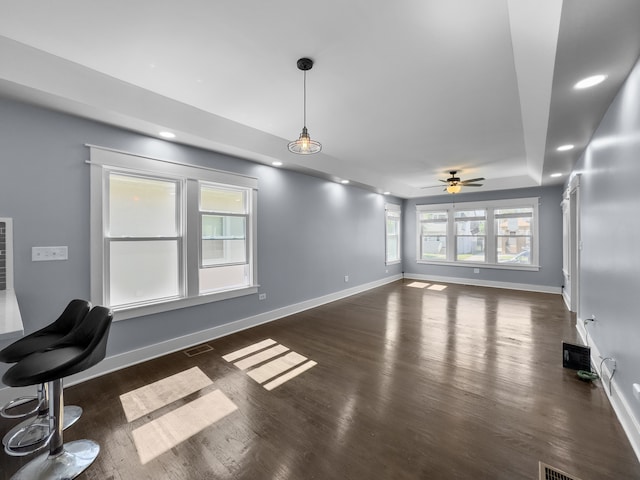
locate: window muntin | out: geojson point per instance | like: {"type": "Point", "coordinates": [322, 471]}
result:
{"type": "Point", "coordinates": [433, 235]}
{"type": "Point", "coordinates": [393, 229]}
{"type": "Point", "coordinates": [500, 233]}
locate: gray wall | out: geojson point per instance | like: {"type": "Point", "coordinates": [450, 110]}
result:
{"type": "Point", "coordinates": [610, 232]}
{"type": "Point", "coordinates": [311, 233]}
{"type": "Point", "coordinates": [550, 231]}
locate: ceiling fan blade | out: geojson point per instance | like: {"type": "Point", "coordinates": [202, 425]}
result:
{"type": "Point", "coordinates": [431, 186]}
{"type": "Point", "coordinates": [471, 180]}
{"type": "Point", "coordinates": [472, 184]}
{"type": "Point", "coordinates": [443, 181]}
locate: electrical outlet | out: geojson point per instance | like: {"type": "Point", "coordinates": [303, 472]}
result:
{"type": "Point", "coordinates": [346, 278]}
{"type": "Point", "coordinates": [262, 296]}
{"type": "Point", "coordinates": [476, 270]}
{"type": "Point", "coordinates": [45, 254]}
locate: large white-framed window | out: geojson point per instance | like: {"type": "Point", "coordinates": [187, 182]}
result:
{"type": "Point", "coordinates": [393, 228]}
{"type": "Point", "coordinates": [495, 234]}
{"type": "Point", "coordinates": [166, 235]}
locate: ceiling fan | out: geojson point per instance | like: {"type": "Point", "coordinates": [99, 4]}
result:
{"type": "Point", "coordinates": [455, 184]}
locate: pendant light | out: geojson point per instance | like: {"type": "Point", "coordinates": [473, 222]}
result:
{"type": "Point", "coordinates": [304, 145]}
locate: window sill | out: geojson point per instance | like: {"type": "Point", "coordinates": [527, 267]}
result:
{"type": "Point", "coordinates": [493, 266]}
{"type": "Point", "coordinates": [395, 262]}
{"type": "Point", "coordinates": [124, 313]}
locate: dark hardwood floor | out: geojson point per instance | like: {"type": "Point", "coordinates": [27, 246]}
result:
{"type": "Point", "coordinates": [443, 382]}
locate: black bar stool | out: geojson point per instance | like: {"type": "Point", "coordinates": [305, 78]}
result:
{"type": "Point", "coordinates": [34, 431]}
{"type": "Point", "coordinates": [82, 348]}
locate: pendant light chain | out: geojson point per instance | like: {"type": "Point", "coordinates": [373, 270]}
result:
{"type": "Point", "coordinates": [304, 97]}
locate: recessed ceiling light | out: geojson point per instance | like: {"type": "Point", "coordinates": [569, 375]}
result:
{"type": "Point", "coordinates": [556, 175]}
{"type": "Point", "coordinates": [344, 182]}
{"type": "Point", "coordinates": [590, 81]}
{"type": "Point", "coordinates": [167, 134]}
{"type": "Point", "coordinates": [564, 148]}
{"type": "Point", "coordinates": [276, 163]}
{"type": "Point", "coordinates": [386, 193]}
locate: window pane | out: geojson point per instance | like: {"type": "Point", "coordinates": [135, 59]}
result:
{"type": "Point", "coordinates": [223, 278]}
{"type": "Point", "coordinates": [143, 271]}
{"type": "Point", "coordinates": [434, 247]}
{"type": "Point", "coordinates": [477, 214]}
{"type": "Point", "coordinates": [470, 249]}
{"type": "Point", "coordinates": [223, 200]}
{"type": "Point", "coordinates": [392, 226]}
{"type": "Point", "coordinates": [433, 235]}
{"type": "Point", "coordinates": [392, 248]}
{"type": "Point", "coordinates": [470, 222]}
{"type": "Point", "coordinates": [141, 207]}
{"type": "Point", "coordinates": [470, 227]}
{"type": "Point", "coordinates": [223, 240]}
{"type": "Point", "coordinates": [514, 249]}
{"type": "Point", "coordinates": [438, 216]}
{"type": "Point", "coordinates": [515, 224]}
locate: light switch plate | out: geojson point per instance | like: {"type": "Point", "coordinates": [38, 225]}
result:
{"type": "Point", "coordinates": [45, 254]}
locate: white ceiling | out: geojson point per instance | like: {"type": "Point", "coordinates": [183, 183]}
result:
{"type": "Point", "coordinates": [401, 92]}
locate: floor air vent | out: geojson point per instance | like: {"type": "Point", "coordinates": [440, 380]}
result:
{"type": "Point", "coordinates": [550, 473]}
{"type": "Point", "coordinates": [192, 352]}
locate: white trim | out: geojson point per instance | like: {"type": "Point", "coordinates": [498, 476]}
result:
{"type": "Point", "coordinates": [110, 157]}
{"type": "Point", "coordinates": [620, 404]}
{"type": "Point", "coordinates": [506, 203]}
{"type": "Point", "coordinates": [527, 287]}
{"type": "Point", "coordinates": [133, 357]}
{"type": "Point", "coordinates": [491, 241]}
{"type": "Point", "coordinates": [176, 304]}
{"type": "Point", "coordinates": [105, 160]}
{"type": "Point", "coordinates": [495, 266]}
{"type": "Point", "coordinates": [567, 299]}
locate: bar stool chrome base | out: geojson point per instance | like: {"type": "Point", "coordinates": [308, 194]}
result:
{"type": "Point", "coordinates": [37, 429]}
{"type": "Point", "coordinates": [74, 459]}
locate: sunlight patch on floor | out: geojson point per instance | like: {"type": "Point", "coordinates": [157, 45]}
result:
{"type": "Point", "coordinates": [289, 375]}
{"type": "Point", "coordinates": [243, 352]}
{"type": "Point", "coordinates": [437, 287]}
{"type": "Point", "coordinates": [270, 366]}
{"type": "Point", "coordinates": [418, 285]}
{"type": "Point", "coordinates": [144, 400]}
{"type": "Point", "coordinates": [161, 435]}
{"type": "Point", "coordinates": [263, 356]}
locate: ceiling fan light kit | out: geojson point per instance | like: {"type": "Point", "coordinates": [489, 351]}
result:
{"type": "Point", "coordinates": [304, 145]}
{"type": "Point", "coordinates": [454, 188]}
{"type": "Point", "coordinates": [455, 184]}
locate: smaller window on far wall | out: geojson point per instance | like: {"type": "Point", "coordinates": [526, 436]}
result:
{"type": "Point", "coordinates": [393, 214]}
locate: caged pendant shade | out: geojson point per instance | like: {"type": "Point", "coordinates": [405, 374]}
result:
{"type": "Point", "coordinates": [304, 145]}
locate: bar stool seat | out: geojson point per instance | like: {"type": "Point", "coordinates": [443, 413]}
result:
{"type": "Point", "coordinates": [82, 348]}
{"type": "Point", "coordinates": [33, 431]}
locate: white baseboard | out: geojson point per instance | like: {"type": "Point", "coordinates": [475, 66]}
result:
{"type": "Point", "coordinates": [616, 397]}
{"type": "Point", "coordinates": [133, 357]}
{"type": "Point", "coordinates": [484, 283]}
{"type": "Point", "coordinates": [567, 299]}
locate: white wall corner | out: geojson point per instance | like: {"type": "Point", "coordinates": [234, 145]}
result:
{"type": "Point", "coordinates": [621, 405]}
